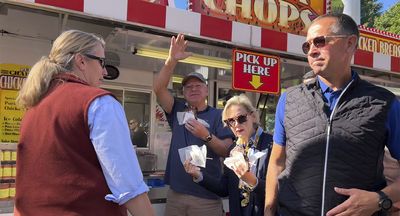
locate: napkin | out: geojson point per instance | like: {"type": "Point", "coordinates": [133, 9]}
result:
{"type": "Point", "coordinates": [197, 155]}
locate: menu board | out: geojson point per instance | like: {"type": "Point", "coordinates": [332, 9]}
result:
{"type": "Point", "coordinates": [12, 77]}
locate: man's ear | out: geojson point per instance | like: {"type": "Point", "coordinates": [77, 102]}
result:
{"type": "Point", "coordinates": [352, 43]}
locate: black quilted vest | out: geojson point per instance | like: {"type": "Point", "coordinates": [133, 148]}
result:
{"type": "Point", "coordinates": [349, 156]}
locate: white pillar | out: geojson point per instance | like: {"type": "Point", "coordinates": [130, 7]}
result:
{"type": "Point", "coordinates": [353, 9]}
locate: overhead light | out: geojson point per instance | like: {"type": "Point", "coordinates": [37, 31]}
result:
{"type": "Point", "coordinates": [176, 79]}
{"type": "Point", "coordinates": [195, 59]}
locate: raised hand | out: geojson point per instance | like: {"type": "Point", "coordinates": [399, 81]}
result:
{"type": "Point", "coordinates": [177, 48]}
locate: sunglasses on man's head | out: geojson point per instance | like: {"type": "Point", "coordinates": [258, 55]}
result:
{"type": "Point", "coordinates": [100, 59]}
{"type": "Point", "coordinates": [319, 42]}
{"type": "Point", "coordinates": [239, 119]}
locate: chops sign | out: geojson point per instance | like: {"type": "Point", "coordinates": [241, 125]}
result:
{"type": "Point", "coordinates": [293, 16]}
{"type": "Point", "coordinates": [255, 72]}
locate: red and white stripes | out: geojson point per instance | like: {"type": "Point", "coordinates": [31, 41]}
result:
{"type": "Point", "coordinates": [195, 24]}
{"type": "Point", "coordinates": [377, 31]}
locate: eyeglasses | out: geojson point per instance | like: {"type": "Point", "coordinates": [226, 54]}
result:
{"type": "Point", "coordinates": [239, 119]}
{"type": "Point", "coordinates": [101, 60]}
{"type": "Point", "coordinates": [319, 42]}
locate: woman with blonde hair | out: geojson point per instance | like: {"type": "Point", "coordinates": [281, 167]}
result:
{"type": "Point", "coordinates": [244, 180]}
{"type": "Point", "coordinates": [74, 153]}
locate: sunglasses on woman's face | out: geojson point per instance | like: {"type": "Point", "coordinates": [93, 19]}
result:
{"type": "Point", "coordinates": [101, 60]}
{"type": "Point", "coordinates": [239, 119]}
{"type": "Point", "coordinates": [319, 42]}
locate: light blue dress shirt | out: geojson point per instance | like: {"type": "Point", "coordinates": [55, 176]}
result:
{"type": "Point", "coordinates": [109, 133]}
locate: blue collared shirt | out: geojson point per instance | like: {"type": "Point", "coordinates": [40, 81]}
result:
{"type": "Point", "coordinates": [175, 174]}
{"type": "Point", "coordinates": [392, 122]}
{"type": "Point", "coordinates": [109, 133]}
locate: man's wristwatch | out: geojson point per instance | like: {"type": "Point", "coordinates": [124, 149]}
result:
{"type": "Point", "coordinates": [385, 203]}
{"type": "Point", "coordinates": [208, 138]}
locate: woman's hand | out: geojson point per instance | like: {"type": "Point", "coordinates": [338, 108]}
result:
{"type": "Point", "coordinates": [191, 169]}
{"type": "Point", "coordinates": [240, 168]}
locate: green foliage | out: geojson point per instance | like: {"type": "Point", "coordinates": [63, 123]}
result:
{"type": "Point", "coordinates": [337, 6]}
{"type": "Point", "coordinates": [390, 20]}
{"type": "Point", "coordinates": [372, 17]}
{"type": "Point", "coordinates": [370, 9]}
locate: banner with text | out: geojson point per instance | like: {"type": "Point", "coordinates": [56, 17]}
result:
{"type": "Point", "coordinates": [292, 16]}
{"type": "Point", "coordinates": [11, 78]}
{"type": "Point", "coordinates": [379, 44]}
{"type": "Point", "coordinates": [255, 72]}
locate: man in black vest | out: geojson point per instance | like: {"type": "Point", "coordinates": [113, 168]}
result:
{"type": "Point", "coordinates": [330, 134]}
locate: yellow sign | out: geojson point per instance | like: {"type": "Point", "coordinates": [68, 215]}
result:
{"type": "Point", "coordinates": [292, 16]}
{"type": "Point", "coordinates": [11, 78]}
{"type": "Point", "coordinates": [379, 44]}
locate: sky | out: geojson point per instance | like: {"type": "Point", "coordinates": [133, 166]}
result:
{"type": "Point", "coordinates": [388, 4]}
{"type": "Point", "coordinates": [182, 4]}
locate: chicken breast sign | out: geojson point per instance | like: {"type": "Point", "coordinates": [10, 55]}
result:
{"type": "Point", "coordinates": [255, 72]}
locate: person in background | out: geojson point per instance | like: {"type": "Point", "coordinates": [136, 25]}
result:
{"type": "Point", "coordinates": [138, 136]}
{"type": "Point", "coordinates": [74, 153]}
{"type": "Point", "coordinates": [330, 134]}
{"type": "Point", "coordinates": [202, 127]}
{"type": "Point", "coordinates": [243, 183]}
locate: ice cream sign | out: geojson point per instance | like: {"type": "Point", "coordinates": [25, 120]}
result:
{"type": "Point", "coordinates": [255, 72]}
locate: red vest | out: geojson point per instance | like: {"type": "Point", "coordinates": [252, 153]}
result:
{"type": "Point", "coordinates": [58, 172]}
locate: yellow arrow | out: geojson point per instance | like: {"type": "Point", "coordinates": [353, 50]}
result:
{"type": "Point", "coordinates": [256, 81]}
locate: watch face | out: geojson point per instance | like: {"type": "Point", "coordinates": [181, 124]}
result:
{"type": "Point", "coordinates": [386, 204]}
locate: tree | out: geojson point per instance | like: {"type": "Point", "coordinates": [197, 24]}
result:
{"type": "Point", "coordinates": [337, 6]}
{"type": "Point", "coordinates": [370, 9]}
{"type": "Point", "coordinates": [390, 20]}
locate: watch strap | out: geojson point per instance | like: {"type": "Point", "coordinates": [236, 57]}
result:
{"type": "Point", "coordinates": [382, 195]}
